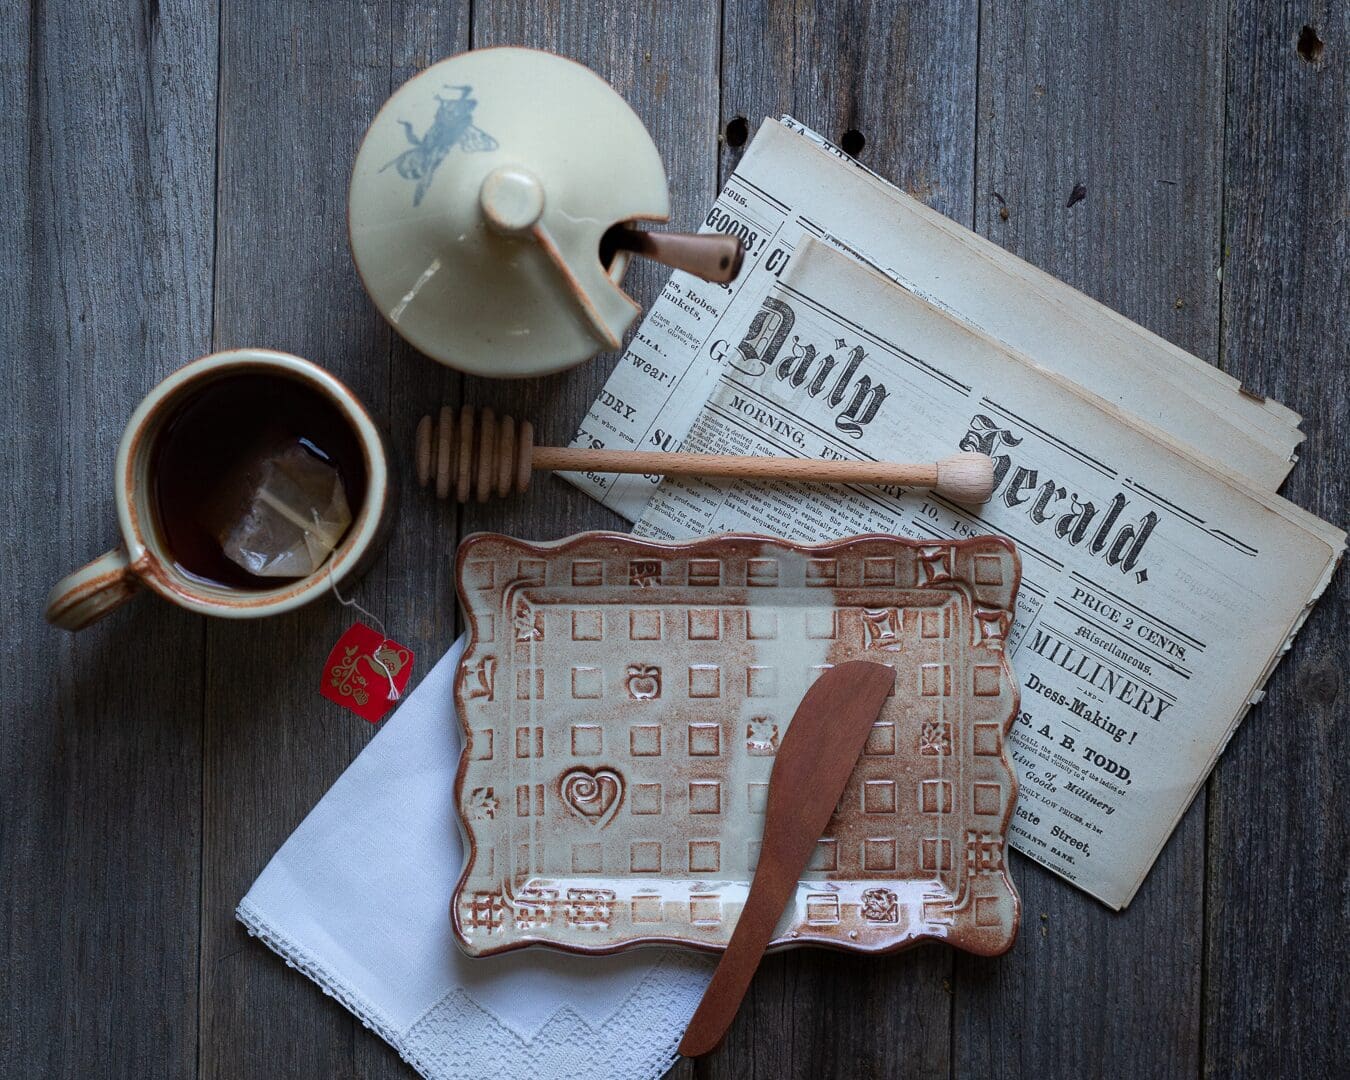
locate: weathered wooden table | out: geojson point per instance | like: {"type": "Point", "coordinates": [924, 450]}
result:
{"type": "Point", "coordinates": [175, 179]}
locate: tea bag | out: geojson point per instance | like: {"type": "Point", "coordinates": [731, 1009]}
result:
{"type": "Point", "coordinates": [282, 512]}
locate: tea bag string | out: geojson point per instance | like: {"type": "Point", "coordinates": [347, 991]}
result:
{"type": "Point", "coordinates": [374, 620]}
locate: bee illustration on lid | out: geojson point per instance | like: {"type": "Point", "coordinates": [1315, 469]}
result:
{"type": "Point", "coordinates": [452, 127]}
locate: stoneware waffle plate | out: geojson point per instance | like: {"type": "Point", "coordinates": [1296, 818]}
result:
{"type": "Point", "coordinates": [622, 701]}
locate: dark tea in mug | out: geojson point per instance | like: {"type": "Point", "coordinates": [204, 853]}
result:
{"type": "Point", "coordinates": [206, 460]}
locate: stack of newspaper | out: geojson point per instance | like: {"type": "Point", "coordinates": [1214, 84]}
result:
{"type": "Point", "coordinates": [1163, 577]}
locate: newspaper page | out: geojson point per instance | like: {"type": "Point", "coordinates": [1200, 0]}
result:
{"type": "Point", "coordinates": [788, 187]}
{"type": "Point", "coordinates": [1157, 594]}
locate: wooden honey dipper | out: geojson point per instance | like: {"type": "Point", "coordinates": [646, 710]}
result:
{"type": "Point", "coordinates": [479, 455]}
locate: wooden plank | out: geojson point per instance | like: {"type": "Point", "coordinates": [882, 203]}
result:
{"type": "Point", "coordinates": [1276, 970]}
{"type": "Point", "coordinates": [107, 114]}
{"type": "Point", "coordinates": [418, 569]}
{"type": "Point", "coordinates": [1132, 111]}
{"type": "Point", "coordinates": [295, 101]}
{"type": "Point", "coordinates": [902, 75]}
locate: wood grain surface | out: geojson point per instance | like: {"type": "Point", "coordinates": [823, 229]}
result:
{"type": "Point", "coordinates": [175, 181]}
{"type": "Point", "coordinates": [1278, 836]}
{"type": "Point", "coordinates": [109, 211]}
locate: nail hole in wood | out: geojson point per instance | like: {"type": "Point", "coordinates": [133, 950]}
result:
{"type": "Point", "coordinates": [1310, 46]}
{"type": "Point", "coordinates": [738, 130]}
{"type": "Point", "coordinates": [852, 142]}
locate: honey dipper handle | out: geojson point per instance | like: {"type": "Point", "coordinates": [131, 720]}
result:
{"type": "Point", "coordinates": [711, 256]}
{"type": "Point", "coordinates": [964, 477]}
{"type": "Point", "coordinates": [478, 455]}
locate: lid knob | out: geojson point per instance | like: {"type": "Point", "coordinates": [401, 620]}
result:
{"type": "Point", "coordinates": [512, 199]}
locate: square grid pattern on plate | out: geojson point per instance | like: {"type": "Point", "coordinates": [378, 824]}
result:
{"type": "Point", "coordinates": [623, 702]}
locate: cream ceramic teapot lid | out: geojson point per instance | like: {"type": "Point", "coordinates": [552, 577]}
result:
{"type": "Point", "coordinates": [477, 203]}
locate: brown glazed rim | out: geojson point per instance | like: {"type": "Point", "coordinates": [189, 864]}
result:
{"type": "Point", "coordinates": [553, 548]}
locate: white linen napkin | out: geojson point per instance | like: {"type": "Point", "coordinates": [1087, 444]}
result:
{"type": "Point", "coordinates": [359, 898]}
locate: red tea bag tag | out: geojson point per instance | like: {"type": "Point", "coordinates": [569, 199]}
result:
{"type": "Point", "coordinates": [366, 672]}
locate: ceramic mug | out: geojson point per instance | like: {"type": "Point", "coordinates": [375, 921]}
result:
{"type": "Point", "coordinates": [143, 560]}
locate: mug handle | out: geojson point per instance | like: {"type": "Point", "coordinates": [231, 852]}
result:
{"type": "Point", "coordinates": [92, 591]}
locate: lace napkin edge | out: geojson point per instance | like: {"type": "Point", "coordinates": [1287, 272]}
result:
{"type": "Point", "coordinates": [662, 1001]}
{"type": "Point", "coordinates": [299, 958]}
{"type": "Point", "coordinates": [685, 975]}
